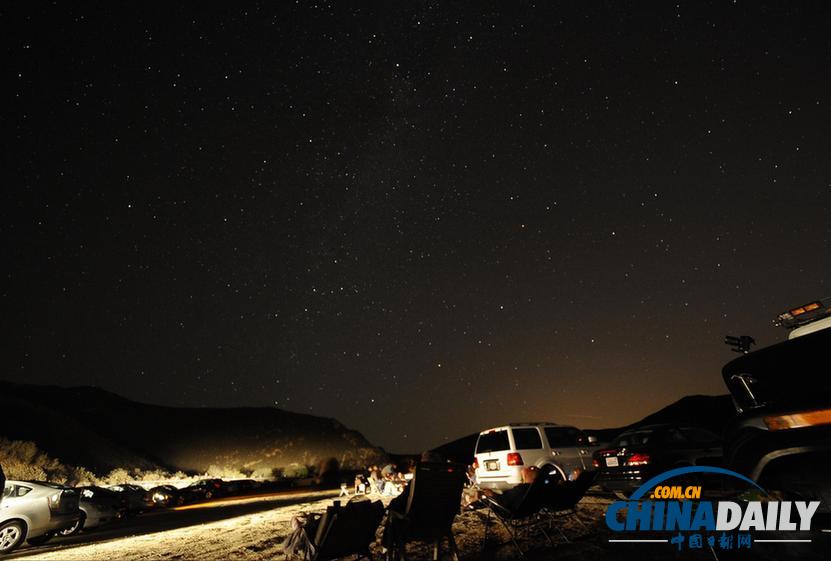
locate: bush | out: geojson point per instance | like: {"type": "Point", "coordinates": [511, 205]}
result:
{"type": "Point", "coordinates": [295, 471]}
{"type": "Point", "coordinates": [23, 460]}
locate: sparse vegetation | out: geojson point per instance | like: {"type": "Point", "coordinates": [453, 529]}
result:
{"type": "Point", "coordinates": [23, 460]}
{"type": "Point", "coordinates": [295, 471]}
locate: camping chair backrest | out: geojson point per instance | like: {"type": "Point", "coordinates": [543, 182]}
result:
{"type": "Point", "coordinates": [567, 494]}
{"type": "Point", "coordinates": [534, 499]}
{"type": "Point", "coordinates": [350, 529]}
{"type": "Point", "coordinates": [435, 497]}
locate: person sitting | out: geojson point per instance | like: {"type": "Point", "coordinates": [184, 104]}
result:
{"type": "Point", "coordinates": [376, 482]}
{"type": "Point", "coordinates": [360, 484]}
{"type": "Point", "coordinates": [513, 497]}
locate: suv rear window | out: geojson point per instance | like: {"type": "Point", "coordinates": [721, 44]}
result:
{"type": "Point", "coordinates": [561, 437]}
{"type": "Point", "coordinates": [493, 441]}
{"type": "Point", "coordinates": [527, 439]}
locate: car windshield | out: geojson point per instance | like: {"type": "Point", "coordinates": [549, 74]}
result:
{"type": "Point", "coordinates": [493, 441]}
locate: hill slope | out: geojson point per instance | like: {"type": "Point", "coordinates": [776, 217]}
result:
{"type": "Point", "coordinates": [102, 431]}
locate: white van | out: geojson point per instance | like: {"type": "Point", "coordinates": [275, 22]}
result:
{"type": "Point", "coordinates": [502, 452]}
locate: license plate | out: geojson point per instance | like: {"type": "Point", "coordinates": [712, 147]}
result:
{"type": "Point", "coordinates": [492, 465]}
{"type": "Point", "coordinates": [612, 462]}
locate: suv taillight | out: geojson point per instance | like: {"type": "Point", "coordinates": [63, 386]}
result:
{"type": "Point", "coordinates": [514, 459]}
{"type": "Point", "coordinates": [475, 462]}
{"type": "Point", "coordinates": [638, 459]}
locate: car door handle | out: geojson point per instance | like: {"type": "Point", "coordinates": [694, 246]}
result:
{"type": "Point", "coordinates": [555, 452]}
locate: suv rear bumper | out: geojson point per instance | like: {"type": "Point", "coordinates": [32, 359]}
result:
{"type": "Point", "coordinates": [502, 481]}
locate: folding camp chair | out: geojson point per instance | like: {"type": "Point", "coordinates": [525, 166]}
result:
{"type": "Point", "coordinates": [560, 500]}
{"type": "Point", "coordinates": [519, 509]}
{"type": "Point", "coordinates": [433, 501]}
{"type": "Point", "coordinates": [344, 530]}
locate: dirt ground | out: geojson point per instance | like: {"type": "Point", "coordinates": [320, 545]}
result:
{"type": "Point", "coordinates": [258, 536]}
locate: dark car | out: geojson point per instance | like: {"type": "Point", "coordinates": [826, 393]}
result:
{"type": "Point", "coordinates": [639, 454]}
{"type": "Point", "coordinates": [104, 496]}
{"type": "Point", "coordinates": [99, 506]}
{"type": "Point", "coordinates": [781, 436]}
{"type": "Point", "coordinates": [166, 496]}
{"type": "Point", "coordinates": [241, 486]}
{"type": "Point", "coordinates": [136, 498]}
{"type": "Point", "coordinates": [203, 490]}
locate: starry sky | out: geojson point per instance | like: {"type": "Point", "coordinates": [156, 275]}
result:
{"type": "Point", "coordinates": [423, 219]}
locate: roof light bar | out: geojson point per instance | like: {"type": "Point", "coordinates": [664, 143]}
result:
{"type": "Point", "coordinates": [804, 314]}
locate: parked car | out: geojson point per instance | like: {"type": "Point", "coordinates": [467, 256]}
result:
{"type": "Point", "coordinates": [641, 453]}
{"type": "Point", "coordinates": [502, 452]}
{"type": "Point", "coordinates": [98, 506]}
{"type": "Point", "coordinates": [781, 436]}
{"type": "Point", "coordinates": [136, 498]}
{"type": "Point", "coordinates": [203, 490]}
{"type": "Point", "coordinates": [166, 496]}
{"type": "Point", "coordinates": [34, 511]}
{"type": "Point", "coordinates": [241, 486]}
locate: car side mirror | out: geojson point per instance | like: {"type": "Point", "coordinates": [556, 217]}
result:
{"type": "Point", "coordinates": [592, 440]}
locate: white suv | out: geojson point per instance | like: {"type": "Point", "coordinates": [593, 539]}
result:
{"type": "Point", "coordinates": [502, 452]}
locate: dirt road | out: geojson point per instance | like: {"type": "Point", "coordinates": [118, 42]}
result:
{"type": "Point", "coordinates": [244, 527]}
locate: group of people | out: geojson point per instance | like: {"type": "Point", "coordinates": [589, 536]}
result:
{"type": "Point", "coordinates": [386, 481]}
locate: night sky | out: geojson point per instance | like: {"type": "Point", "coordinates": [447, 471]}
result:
{"type": "Point", "coordinates": [421, 220]}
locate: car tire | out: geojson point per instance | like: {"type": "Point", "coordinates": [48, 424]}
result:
{"type": "Point", "coordinates": [74, 529]}
{"type": "Point", "coordinates": [12, 534]}
{"type": "Point", "coordinates": [42, 539]}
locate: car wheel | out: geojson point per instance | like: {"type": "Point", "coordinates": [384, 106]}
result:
{"type": "Point", "coordinates": [40, 540]}
{"type": "Point", "coordinates": [12, 534]}
{"type": "Point", "coordinates": [74, 529]}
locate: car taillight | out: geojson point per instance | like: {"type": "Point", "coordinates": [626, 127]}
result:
{"type": "Point", "coordinates": [798, 420]}
{"type": "Point", "coordinates": [514, 459]}
{"type": "Point", "coordinates": [595, 463]}
{"type": "Point", "coordinates": [475, 462]}
{"type": "Point", "coordinates": [54, 501]}
{"type": "Point", "coordinates": [637, 459]}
